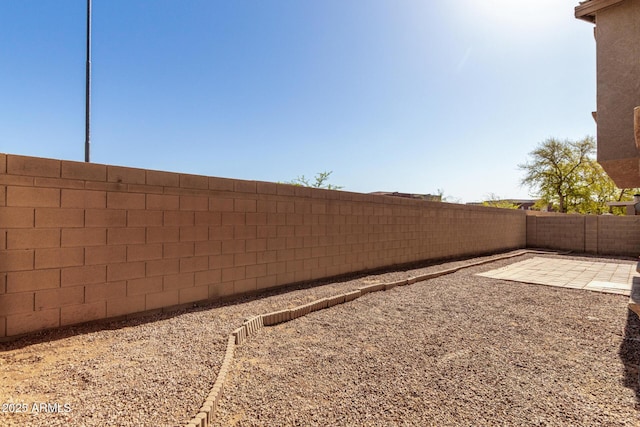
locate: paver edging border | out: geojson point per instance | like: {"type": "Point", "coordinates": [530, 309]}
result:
{"type": "Point", "coordinates": [253, 325]}
{"type": "Point", "coordinates": [634, 297]}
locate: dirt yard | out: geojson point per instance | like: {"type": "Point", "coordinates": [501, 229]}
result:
{"type": "Point", "coordinates": [455, 350]}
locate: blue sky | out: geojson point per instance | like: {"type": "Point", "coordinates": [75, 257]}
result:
{"type": "Point", "coordinates": [390, 95]}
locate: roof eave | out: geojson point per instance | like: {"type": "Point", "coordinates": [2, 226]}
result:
{"type": "Point", "coordinates": [587, 10]}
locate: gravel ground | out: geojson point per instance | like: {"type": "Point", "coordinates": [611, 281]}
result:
{"type": "Point", "coordinates": [455, 350]}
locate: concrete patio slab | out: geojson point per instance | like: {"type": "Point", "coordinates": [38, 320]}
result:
{"type": "Point", "coordinates": [607, 277]}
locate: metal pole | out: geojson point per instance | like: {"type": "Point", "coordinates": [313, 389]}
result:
{"type": "Point", "coordinates": [87, 137]}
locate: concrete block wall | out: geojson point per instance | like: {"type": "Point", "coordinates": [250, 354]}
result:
{"type": "Point", "coordinates": [602, 234]}
{"type": "Point", "coordinates": [619, 235]}
{"type": "Point", "coordinates": [556, 231]}
{"type": "Point", "coordinates": [81, 242]}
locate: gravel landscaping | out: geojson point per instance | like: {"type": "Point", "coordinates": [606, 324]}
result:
{"type": "Point", "coordinates": [455, 350]}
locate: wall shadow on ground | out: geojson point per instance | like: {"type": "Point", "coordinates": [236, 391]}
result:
{"type": "Point", "coordinates": [630, 350]}
{"type": "Point", "coordinates": [55, 334]}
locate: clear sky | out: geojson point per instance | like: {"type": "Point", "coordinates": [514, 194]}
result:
{"type": "Point", "coordinates": [390, 95]}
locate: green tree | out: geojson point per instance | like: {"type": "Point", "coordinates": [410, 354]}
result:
{"type": "Point", "coordinates": [320, 181]}
{"type": "Point", "coordinates": [555, 169]}
{"type": "Point", "coordinates": [603, 190]}
{"type": "Point", "coordinates": [565, 175]}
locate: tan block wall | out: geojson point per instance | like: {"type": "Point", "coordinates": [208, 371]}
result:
{"type": "Point", "coordinates": [556, 231]}
{"type": "Point", "coordinates": [80, 242]}
{"type": "Point", "coordinates": [603, 234]}
{"type": "Point", "coordinates": [619, 235]}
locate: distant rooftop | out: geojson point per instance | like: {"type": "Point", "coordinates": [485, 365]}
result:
{"type": "Point", "coordinates": [428, 197]}
{"type": "Point", "coordinates": [523, 204]}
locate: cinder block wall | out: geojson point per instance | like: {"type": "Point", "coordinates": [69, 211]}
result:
{"type": "Point", "coordinates": [602, 234]}
{"type": "Point", "coordinates": [80, 242]}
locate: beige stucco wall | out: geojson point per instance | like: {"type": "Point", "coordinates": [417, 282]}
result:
{"type": "Point", "coordinates": [618, 88]}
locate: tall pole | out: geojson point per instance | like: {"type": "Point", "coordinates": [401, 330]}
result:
{"type": "Point", "coordinates": [87, 134]}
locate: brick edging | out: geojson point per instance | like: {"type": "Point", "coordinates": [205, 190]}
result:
{"type": "Point", "coordinates": [634, 297]}
{"type": "Point", "coordinates": [254, 324]}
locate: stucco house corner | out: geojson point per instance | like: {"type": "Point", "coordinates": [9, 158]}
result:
{"type": "Point", "coordinates": [617, 34]}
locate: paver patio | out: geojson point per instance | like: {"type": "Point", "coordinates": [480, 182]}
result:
{"type": "Point", "coordinates": [608, 277]}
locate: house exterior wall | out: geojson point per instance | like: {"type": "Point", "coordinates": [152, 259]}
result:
{"type": "Point", "coordinates": [618, 86]}
{"type": "Point", "coordinates": [82, 241]}
{"type": "Point", "coordinates": [618, 83]}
